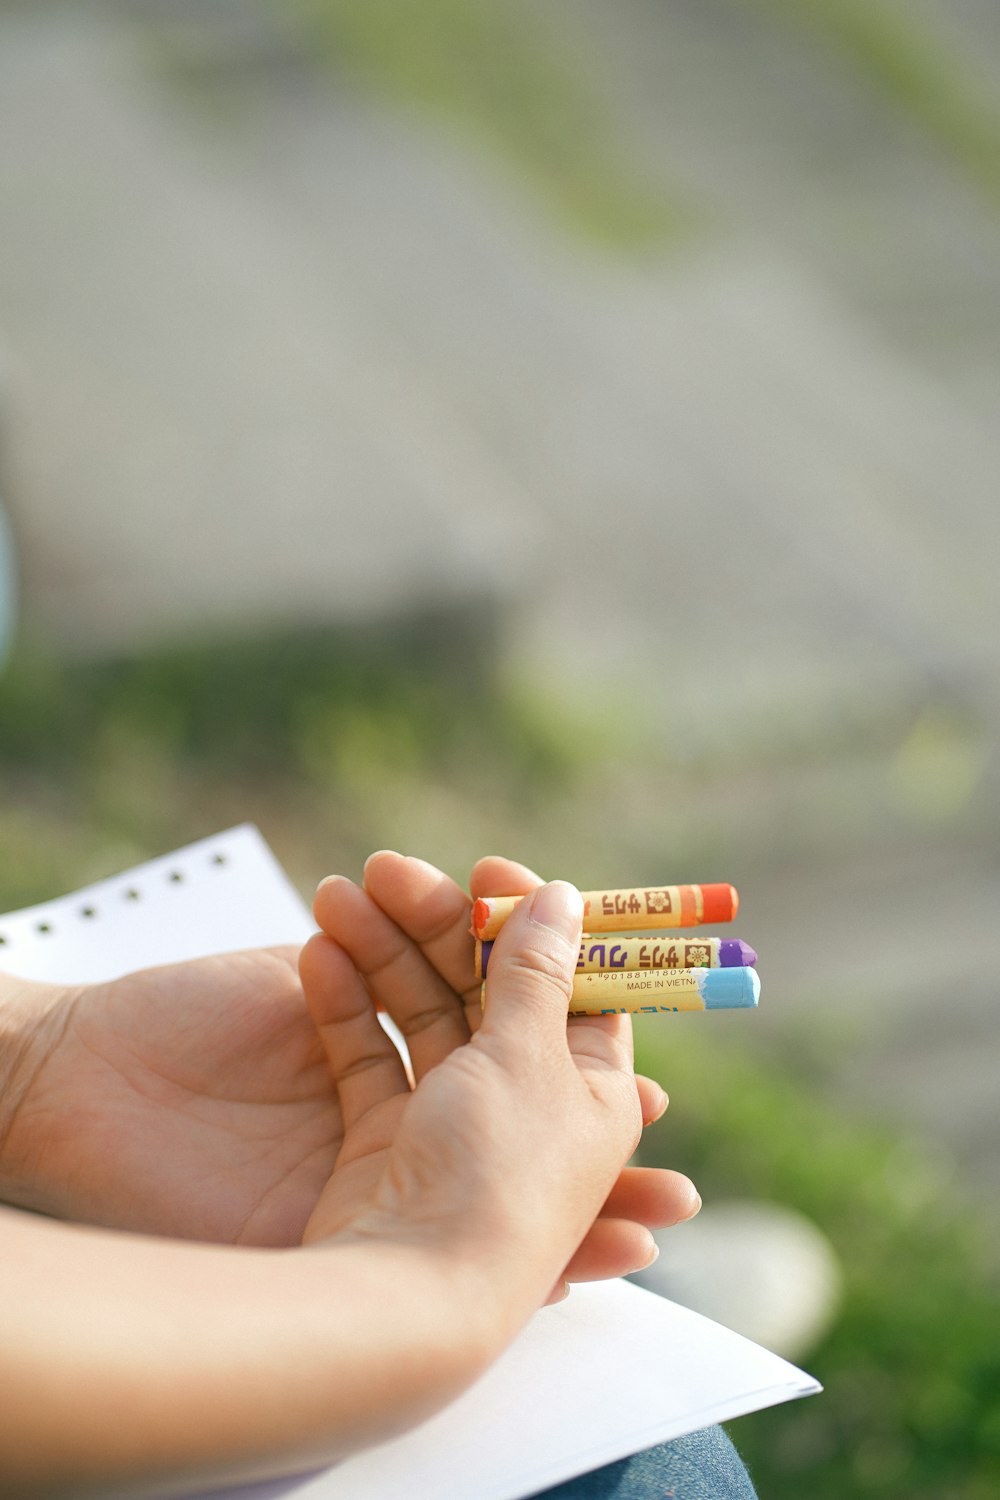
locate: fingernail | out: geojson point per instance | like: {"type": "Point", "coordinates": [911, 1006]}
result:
{"type": "Point", "coordinates": [378, 855]}
{"type": "Point", "coordinates": [695, 1210]}
{"type": "Point", "coordinates": [558, 906]}
{"type": "Point", "coordinates": [654, 1255]}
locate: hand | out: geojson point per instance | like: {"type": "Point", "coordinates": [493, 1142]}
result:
{"type": "Point", "coordinates": [192, 1100]}
{"type": "Point", "coordinates": [529, 1097]}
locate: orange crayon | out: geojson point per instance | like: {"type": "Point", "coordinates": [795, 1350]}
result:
{"type": "Point", "coordinates": [644, 908]}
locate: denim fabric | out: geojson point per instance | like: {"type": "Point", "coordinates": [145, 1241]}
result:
{"type": "Point", "coordinates": [702, 1466]}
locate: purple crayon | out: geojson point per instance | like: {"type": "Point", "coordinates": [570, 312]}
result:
{"type": "Point", "coordinates": [605, 952]}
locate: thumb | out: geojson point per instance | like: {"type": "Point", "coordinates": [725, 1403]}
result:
{"type": "Point", "coordinates": [530, 977]}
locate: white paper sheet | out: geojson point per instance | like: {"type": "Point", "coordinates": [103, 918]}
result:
{"type": "Point", "coordinates": [215, 896]}
{"type": "Point", "coordinates": [612, 1370]}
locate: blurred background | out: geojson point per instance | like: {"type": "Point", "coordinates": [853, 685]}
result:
{"type": "Point", "coordinates": [568, 430]}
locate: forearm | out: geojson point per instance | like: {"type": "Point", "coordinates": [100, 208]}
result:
{"type": "Point", "coordinates": [138, 1366]}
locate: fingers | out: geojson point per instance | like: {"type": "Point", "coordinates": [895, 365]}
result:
{"type": "Point", "coordinates": [612, 1247]}
{"type": "Point", "coordinates": [408, 935]}
{"type": "Point", "coordinates": [494, 876]}
{"type": "Point", "coordinates": [619, 1241]}
{"type": "Point", "coordinates": [532, 964]}
{"type": "Point", "coordinates": [528, 986]}
{"type": "Point", "coordinates": [423, 1004]}
{"type": "Point", "coordinates": [652, 1196]}
{"type": "Point", "coordinates": [365, 1065]}
{"type": "Point", "coordinates": [433, 912]}
{"type": "Point", "coordinates": [601, 1039]}
{"type": "Point", "coordinates": [653, 1100]}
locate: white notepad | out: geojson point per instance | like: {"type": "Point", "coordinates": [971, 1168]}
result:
{"type": "Point", "coordinates": [612, 1370]}
{"type": "Point", "coordinates": [216, 896]}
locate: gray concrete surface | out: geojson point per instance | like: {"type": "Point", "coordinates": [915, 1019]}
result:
{"type": "Point", "coordinates": [299, 359]}
{"type": "Point", "coordinates": [890, 957]}
{"type": "Point", "coordinates": [207, 425]}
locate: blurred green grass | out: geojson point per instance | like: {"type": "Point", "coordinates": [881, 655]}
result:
{"type": "Point", "coordinates": [410, 733]}
{"type": "Point", "coordinates": [494, 72]}
{"type": "Point", "coordinates": [332, 741]}
{"type": "Point", "coordinates": [914, 67]}
{"type": "Point", "coordinates": [911, 1367]}
{"type": "Point", "coordinates": [337, 743]}
{"type": "Point", "coordinates": [499, 73]}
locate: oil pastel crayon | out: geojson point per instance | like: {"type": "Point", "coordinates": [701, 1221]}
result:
{"type": "Point", "coordinates": [598, 955]}
{"type": "Point", "coordinates": [653, 993]}
{"type": "Point", "coordinates": [640, 909]}
{"type": "Point", "coordinates": [628, 992]}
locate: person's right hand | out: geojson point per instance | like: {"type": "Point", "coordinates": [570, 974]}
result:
{"type": "Point", "coordinates": [192, 1099]}
{"type": "Point", "coordinates": [512, 1146]}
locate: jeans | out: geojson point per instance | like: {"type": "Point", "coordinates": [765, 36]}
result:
{"type": "Point", "coordinates": [702, 1466]}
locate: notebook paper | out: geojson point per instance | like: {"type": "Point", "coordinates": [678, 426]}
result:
{"type": "Point", "coordinates": [215, 896]}
{"type": "Point", "coordinates": [609, 1371]}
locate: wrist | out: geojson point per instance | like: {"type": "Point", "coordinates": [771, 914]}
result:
{"type": "Point", "coordinates": [433, 1324]}
{"type": "Point", "coordinates": [482, 1297]}
{"type": "Point", "coordinates": [33, 1017]}
{"type": "Point", "coordinates": [485, 1284]}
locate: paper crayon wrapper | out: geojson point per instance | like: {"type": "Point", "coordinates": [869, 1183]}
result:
{"type": "Point", "coordinates": [642, 908]}
{"type": "Point", "coordinates": [599, 952]}
{"type": "Point", "coordinates": [637, 993]}
{"type": "Point", "coordinates": [630, 993]}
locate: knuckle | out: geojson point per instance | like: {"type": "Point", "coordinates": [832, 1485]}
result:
{"type": "Point", "coordinates": [355, 1067]}
{"type": "Point", "coordinates": [622, 1104]}
{"type": "Point", "coordinates": [535, 966]}
{"type": "Point", "coordinates": [413, 1024]}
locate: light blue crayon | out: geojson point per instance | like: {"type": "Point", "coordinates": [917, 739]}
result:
{"type": "Point", "coordinates": [654, 990]}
